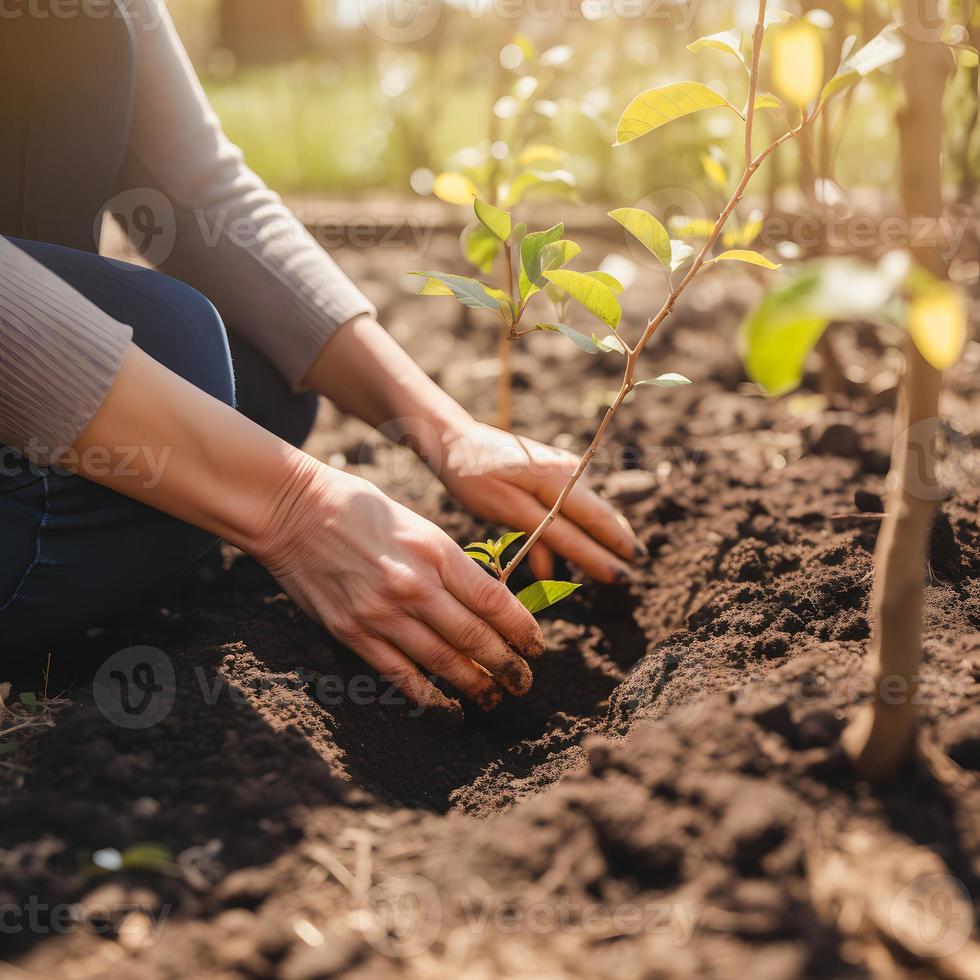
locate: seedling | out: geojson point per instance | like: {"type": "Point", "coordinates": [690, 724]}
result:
{"type": "Point", "coordinates": [539, 595]}
{"type": "Point", "coordinates": [509, 172]}
{"type": "Point", "coordinates": [537, 260]}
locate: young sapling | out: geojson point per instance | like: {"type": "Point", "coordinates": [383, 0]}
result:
{"type": "Point", "coordinates": [539, 259]}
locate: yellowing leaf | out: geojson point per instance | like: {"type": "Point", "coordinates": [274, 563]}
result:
{"type": "Point", "coordinates": [797, 62]}
{"type": "Point", "coordinates": [744, 255]}
{"type": "Point", "coordinates": [611, 281]}
{"type": "Point", "coordinates": [764, 100]}
{"type": "Point", "coordinates": [493, 218]}
{"type": "Point", "coordinates": [595, 296]}
{"type": "Point", "coordinates": [432, 287]}
{"type": "Point", "coordinates": [659, 106]}
{"type": "Point", "coordinates": [728, 41]}
{"type": "Point", "coordinates": [937, 323]}
{"type": "Point", "coordinates": [714, 170]}
{"type": "Point", "coordinates": [647, 230]}
{"type": "Point", "coordinates": [454, 188]}
{"type": "Point", "coordinates": [693, 227]}
{"type": "Point", "coordinates": [539, 153]}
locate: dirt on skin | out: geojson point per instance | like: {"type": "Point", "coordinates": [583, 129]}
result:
{"type": "Point", "coordinates": [669, 800]}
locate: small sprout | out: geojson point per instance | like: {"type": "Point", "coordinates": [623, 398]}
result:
{"type": "Point", "coordinates": [28, 699]}
{"type": "Point", "coordinates": [535, 597]}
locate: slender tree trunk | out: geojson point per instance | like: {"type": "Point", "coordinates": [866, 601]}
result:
{"type": "Point", "coordinates": [882, 736]}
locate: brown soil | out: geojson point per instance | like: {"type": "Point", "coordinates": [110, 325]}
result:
{"type": "Point", "coordinates": [669, 800]}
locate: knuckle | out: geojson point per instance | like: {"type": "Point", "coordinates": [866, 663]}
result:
{"type": "Point", "coordinates": [474, 635]}
{"type": "Point", "coordinates": [443, 659]}
{"type": "Point", "coordinates": [492, 598]}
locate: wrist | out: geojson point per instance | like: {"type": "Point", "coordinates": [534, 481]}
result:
{"type": "Point", "coordinates": [305, 490]}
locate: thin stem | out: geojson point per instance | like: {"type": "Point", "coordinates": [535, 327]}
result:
{"type": "Point", "coordinates": [505, 381]}
{"type": "Point", "coordinates": [757, 38]}
{"type": "Point", "coordinates": [751, 166]}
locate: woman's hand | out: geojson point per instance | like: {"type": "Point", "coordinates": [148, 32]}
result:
{"type": "Point", "coordinates": [395, 589]}
{"type": "Point", "coordinates": [514, 481]}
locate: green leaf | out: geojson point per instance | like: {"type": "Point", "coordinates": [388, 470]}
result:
{"type": "Point", "coordinates": [577, 338]}
{"type": "Point", "coordinates": [595, 296]}
{"type": "Point", "coordinates": [611, 281]}
{"type": "Point", "coordinates": [729, 41]}
{"type": "Point", "coordinates": [480, 246]}
{"type": "Point", "coordinates": [744, 255]}
{"type": "Point", "coordinates": [486, 546]}
{"type": "Point", "coordinates": [655, 108]}
{"type": "Point", "coordinates": [666, 381]}
{"type": "Point", "coordinates": [778, 336]}
{"type": "Point", "coordinates": [28, 699]}
{"type": "Point", "coordinates": [881, 50]}
{"type": "Point", "coordinates": [559, 183]}
{"type": "Point", "coordinates": [504, 542]}
{"type": "Point", "coordinates": [531, 248]}
{"type": "Point", "coordinates": [493, 218]}
{"type": "Point", "coordinates": [646, 229]}
{"type": "Point", "coordinates": [468, 291]}
{"type": "Point", "coordinates": [480, 557]}
{"type": "Point", "coordinates": [556, 254]}
{"type": "Point", "coordinates": [148, 857]}
{"type": "Point", "coordinates": [543, 594]}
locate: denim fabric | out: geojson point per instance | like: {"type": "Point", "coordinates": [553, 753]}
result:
{"type": "Point", "coordinates": [74, 552]}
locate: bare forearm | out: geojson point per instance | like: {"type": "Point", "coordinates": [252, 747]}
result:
{"type": "Point", "coordinates": [364, 371]}
{"type": "Point", "coordinates": [159, 439]}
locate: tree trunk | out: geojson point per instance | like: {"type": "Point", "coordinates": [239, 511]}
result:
{"type": "Point", "coordinates": [882, 736]}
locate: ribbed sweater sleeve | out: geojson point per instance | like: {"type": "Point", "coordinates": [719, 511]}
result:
{"type": "Point", "coordinates": [59, 354]}
{"type": "Point", "coordinates": [218, 227]}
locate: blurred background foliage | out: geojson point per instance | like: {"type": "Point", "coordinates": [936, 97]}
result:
{"type": "Point", "coordinates": [350, 96]}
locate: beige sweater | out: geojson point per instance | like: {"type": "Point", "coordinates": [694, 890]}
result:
{"type": "Point", "coordinates": [231, 237]}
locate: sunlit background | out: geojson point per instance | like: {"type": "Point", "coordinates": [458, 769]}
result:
{"type": "Point", "coordinates": [349, 96]}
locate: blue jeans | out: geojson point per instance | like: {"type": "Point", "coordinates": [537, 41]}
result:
{"type": "Point", "coordinates": [73, 552]}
